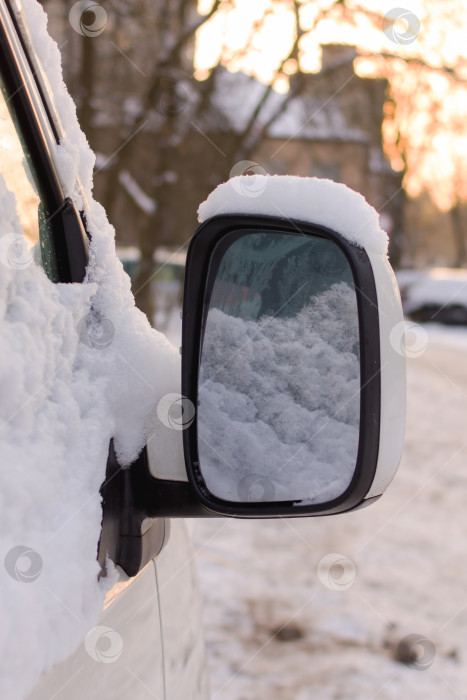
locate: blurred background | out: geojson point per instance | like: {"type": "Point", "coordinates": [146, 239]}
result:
{"type": "Point", "coordinates": [176, 96]}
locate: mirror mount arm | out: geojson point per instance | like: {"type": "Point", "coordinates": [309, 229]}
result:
{"type": "Point", "coordinates": [163, 498]}
{"type": "Point", "coordinates": [135, 508]}
{"type": "Point", "coordinates": [134, 529]}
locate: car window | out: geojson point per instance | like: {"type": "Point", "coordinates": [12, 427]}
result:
{"type": "Point", "coordinates": [24, 228]}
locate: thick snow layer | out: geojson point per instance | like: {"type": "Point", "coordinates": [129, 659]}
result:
{"type": "Point", "coordinates": [282, 392]}
{"type": "Point", "coordinates": [309, 199]}
{"type": "Point", "coordinates": [80, 365]}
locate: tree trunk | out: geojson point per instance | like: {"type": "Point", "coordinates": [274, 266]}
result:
{"type": "Point", "coordinates": [142, 287]}
{"type": "Point", "coordinates": [86, 82]}
{"type": "Point", "coordinates": [458, 231]}
{"type": "Point", "coordinates": [398, 236]}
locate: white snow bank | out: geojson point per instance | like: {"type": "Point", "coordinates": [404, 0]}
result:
{"type": "Point", "coordinates": [441, 336]}
{"type": "Point", "coordinates": [80, 364]}
{"type": "Point", "coordinates": [279, 401]}
{"type": "Point", "coordinates": [310, 199]}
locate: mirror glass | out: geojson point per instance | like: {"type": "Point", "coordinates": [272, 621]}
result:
{"type": "Point", "coordinates": [279, 384]}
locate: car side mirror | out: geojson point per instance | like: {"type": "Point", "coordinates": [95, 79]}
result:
{"type": "Point", "coordinates": [293, 372]}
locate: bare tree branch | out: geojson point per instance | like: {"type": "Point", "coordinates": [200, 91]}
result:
{"type": "Point", "coordinates": [190, 32]}
{"type": "Point", "coordinates": [446, 70]}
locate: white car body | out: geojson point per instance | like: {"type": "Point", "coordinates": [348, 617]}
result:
{"type": "Point", "coordinates": [149, 640]}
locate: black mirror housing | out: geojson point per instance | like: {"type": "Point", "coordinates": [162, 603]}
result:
{"type": "Point", "coordinates": [199, 282]}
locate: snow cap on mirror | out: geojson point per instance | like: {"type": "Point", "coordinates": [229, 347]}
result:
{"type": "Point", "coordinates": [311, 199]}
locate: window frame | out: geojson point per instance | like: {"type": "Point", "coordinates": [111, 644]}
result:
{"type": "Point", "coordinates": [68, 234]}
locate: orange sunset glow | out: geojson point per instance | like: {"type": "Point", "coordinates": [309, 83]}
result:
{"type": "Point", "coordinates": [427, 73]}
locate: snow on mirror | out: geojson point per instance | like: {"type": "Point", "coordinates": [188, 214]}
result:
{"type": "Point", "coordinates": [279, 385]}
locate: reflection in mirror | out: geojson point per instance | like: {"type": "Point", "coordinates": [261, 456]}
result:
{"type": "Point", "coordinates": [279, 385]}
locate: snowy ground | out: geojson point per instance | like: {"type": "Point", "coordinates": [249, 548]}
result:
{"type": "Point", "coordinates": [276, 631]}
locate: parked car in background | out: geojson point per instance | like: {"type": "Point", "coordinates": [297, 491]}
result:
{"type": "Point", "coordinates": [406, 277]}
{"type": "Point", "coordinates": [438, 295]}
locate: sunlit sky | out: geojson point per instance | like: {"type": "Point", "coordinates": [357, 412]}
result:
{"type": "Point", "coordinates": [15, 176]}
{"type": "Point", "coordinates": [432, 107]}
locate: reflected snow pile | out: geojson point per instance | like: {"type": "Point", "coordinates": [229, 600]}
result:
{"type": "Point", "coordinates": [279, 398]}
